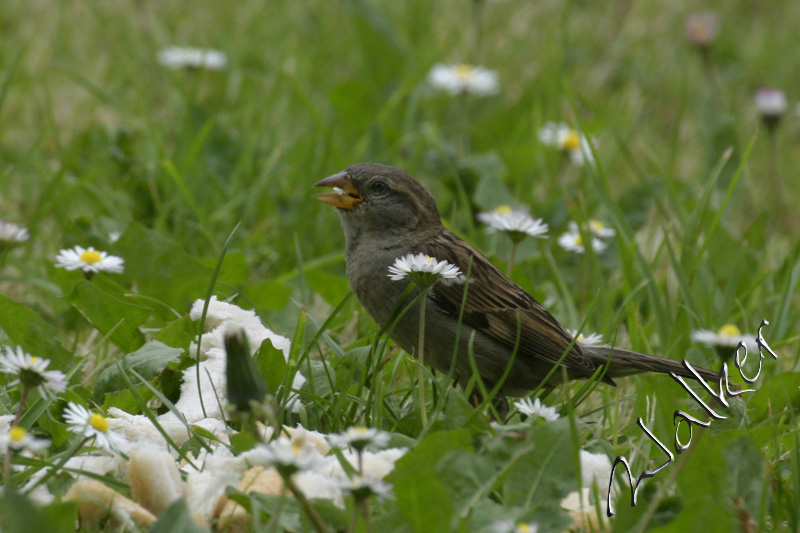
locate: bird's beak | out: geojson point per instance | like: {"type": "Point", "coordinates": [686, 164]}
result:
{"type": "Point", "coordinates": [344, 194]}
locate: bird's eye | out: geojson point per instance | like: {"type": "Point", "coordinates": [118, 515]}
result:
{"type": "Point", "coordinates": [379, 186]}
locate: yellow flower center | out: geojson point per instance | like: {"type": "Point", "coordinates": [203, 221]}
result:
{"type": "Point", "coordinates": [17, 434]}
{"type": "Point", "coordinates": [90, 257]}
{"type": "Point", "coordinates": [464, 71]}
{"type": "Point", "coordinates": [524, 528]}
{"type": "Point", "coordinates": [578, 240]}
{"type": "Point", "coordinates": [596, 226]}
{"type": "Point", "coordinates": [503, 210]}
{"type": "Point", "coordinates": [572, 141]}
{"type": "Point", "coordinates": [98, 422]}
{"type": "Point", "coordinates": [729, 330]}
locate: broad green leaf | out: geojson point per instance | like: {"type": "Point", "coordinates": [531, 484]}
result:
{"type": "Point", "coordinates": [490, 192]}
{"type": "Point", "coordinates": [234, 269]}
{"type": "Point", "coordinates": [271, 365]}
{"type": "Point", "coordinates": [539, 479]}
{"type": "Point", "coordinates": [36, 336]}
{"type": "Point", "coordinates": [179, 333]}
{"type": "Point", "coordinates": [468, 478]}
{"type": "Point", "coordinates": [107, 312]}
{"type": "Point", "coordinates": [177, 519]}
{"type": "Point", "coordinates": [422, 498]}
{"type": "Point", "coordinates": [330, 286]}
{"type": "Point", "coordinates": [160, 268]}
{"type": "Point", "coordinates": [20, 515]}
{"type": "Point", "coordinates": [149, 361]}
{"type": "Point", "coordinates": [268, 295]}
{"type": "Point", "coordinates": [703, 484]}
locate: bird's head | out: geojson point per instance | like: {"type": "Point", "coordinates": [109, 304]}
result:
{"type": "Point", "coordinates": [380, 200]}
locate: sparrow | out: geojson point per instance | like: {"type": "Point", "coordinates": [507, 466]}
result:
{"type": "Point", "coordinates": [387, 214]}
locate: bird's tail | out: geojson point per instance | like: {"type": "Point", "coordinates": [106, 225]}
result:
{"type": "Point", "coordinates": [625, 363]}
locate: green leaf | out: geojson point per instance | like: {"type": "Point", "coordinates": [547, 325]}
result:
{"type": "Point", "coordinates": [160, 268]}
{"type": "Point", "coordinates": [330, 286]}
{"type": "Point", "coordinates": [468, 477]}
{"type": "Point", "coordinates": [269, 295]}
{"type": "Point", "coordinates": [177, 519]}
{"type": "Point", "coordinates": [107, 313]}
{"type": "Point", "coordinates": [422, 498]}
{"type": "Point", "coordinates": [36, 336]}
{"type": "Point", "coordinates": [178, 333]}
{"type": "Point", "coordinates": [775, 394]}
{"type": "Point", "coordinates": [271, 365]}
{"type": "Point", "coordinates": [540, 478]}
{"type": "Point", "coordinates": [702, 482]}
{"type": "Point", "coordinates": [149, 361]}
{"type": "Point", "coordinates": [20, 515]}
{"type": "Point", "coordinates": [234, 269]}
{"type": "Point", "coordinates": [746, 474]}
{"type": "Point", "coordinates": [490, 191]}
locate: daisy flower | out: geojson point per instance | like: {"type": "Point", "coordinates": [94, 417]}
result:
{"type": "Point", "coordinates": [92, 426]}
{"type": "Point", "coordinates": [457, 79]}
{"type": "Point", "coordinates": [728, 336]}
{"type": "Point", "coordinates": [592, 339]}
{"type": "Point", "coordinates": [569, 141]}
{"type": "Point", "coordinates": [517, 223]}
{"type": "Point", "coordinates": [360, 438]}
{"type": "Point", "coordinates": [89, 260]}
{"type": "Point", "coordinates": [536, 408]}
{"type": "Point", "coordinates": [176, 57]}
{"type": "Point", "coordinates": [509, 526]}
{"type": "Point", "coordinates": [31, 371]}
{"type": "Point", "coordinates": [573, 242]}
{"type": "Point", "coordinates": [18, 438]}
{"type": "Point", "coordinates": [702, 28]}
{"type": "Point", "coordinates": [422, 269]}
{"type": "Point", "coordinates": [771, 102]}
{"type": "Point", "coordinates": [363, 487]}
{"type": "Point", "coordinates": [771, 105]}
{"type": "Point", "coordinates": [289, 456]}
{"type": "Point", "coordinates": [11, 233]}
{"type": "Point", "coordinates": [596, 228]}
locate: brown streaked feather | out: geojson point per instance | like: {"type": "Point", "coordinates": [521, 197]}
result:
{"type": "Point", "coordinates": [510, 316]}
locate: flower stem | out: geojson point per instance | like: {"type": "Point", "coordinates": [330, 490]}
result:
{"type": "Point", "coordinates": [55, 469]}
{"type": "Point", "coordinates": [7, 463]}
{"type": "Point", "coordinates": [319, 525]}
{"type": "Point", "coordinates": [511, 257]}
{"type": "Point", "coordinates": [420, 355]}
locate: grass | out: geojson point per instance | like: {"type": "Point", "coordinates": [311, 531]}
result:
{"type": "Point", "coordinates": [97, 137]}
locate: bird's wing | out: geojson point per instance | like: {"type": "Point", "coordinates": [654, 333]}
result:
{"type": "Point", "coordinates": [499, 308]}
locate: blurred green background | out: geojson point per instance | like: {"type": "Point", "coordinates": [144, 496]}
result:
{"type": "Point", "coordinates": [96, 136]}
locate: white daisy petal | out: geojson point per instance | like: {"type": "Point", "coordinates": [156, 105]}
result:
{"type": "Point", "coordinates": [12, 233]}
{"type": "Point", "coordinates": [771, 103]}
{"type": "Point", "coordinates": [89, 260]}
{"type": "Point", "coordinates": [31, 371]}
{"type": "Point", "coordinates": [457, 79]}
{"type": "Point", "coordinates": [536, 408]}
{"type": "Point", "coordinates": [360, 438]}
{"type": "Point", "coordinates": [92, 426]}
{"type": "Point", "coordinates": [728, 336]}
{"type": "Point", "coordinates": [516, 222]}
{"type": "Point", "coordinates": [176, 57]}
{"type": "Point", "coordinates": [569, 141]}
{"type": "Point", "coordinates": [422, 269]}
{"type": "Point", "coordinates": [592, 339]}
{"type": "Point", "coordinates": [17, 438]}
